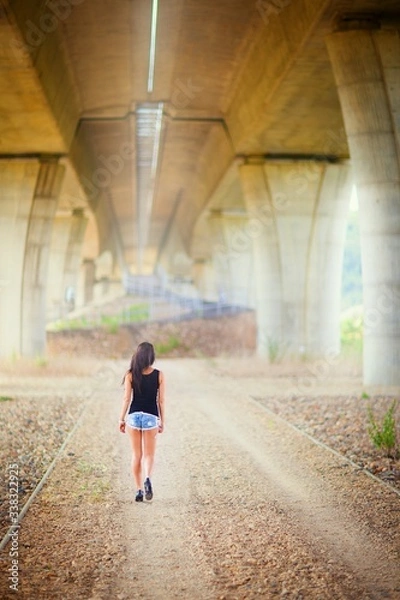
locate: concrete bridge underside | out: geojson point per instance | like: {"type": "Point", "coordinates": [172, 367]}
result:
{"type": "Point", "coordinates": [212, 141]}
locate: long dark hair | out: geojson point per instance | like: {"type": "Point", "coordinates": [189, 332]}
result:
{"type": "Point", "coordinates": [143, 358]}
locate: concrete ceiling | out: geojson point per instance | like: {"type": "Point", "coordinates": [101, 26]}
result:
{"type": "Point", "coordinates": [235, 78]}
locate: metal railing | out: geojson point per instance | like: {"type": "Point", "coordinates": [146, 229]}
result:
{"type": "Point", "coordinates": [172, 300]}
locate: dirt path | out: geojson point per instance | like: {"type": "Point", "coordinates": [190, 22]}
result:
{"type": "Point", "coordinates": [244, 507]}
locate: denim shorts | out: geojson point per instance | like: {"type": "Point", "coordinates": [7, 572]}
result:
{"type": "Point", "coordinates": [142, 420]}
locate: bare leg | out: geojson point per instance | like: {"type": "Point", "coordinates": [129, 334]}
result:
{"type": "Point", "coordinates": [149, 449]}
{"type": "Point", "coordinates": [135, 436]}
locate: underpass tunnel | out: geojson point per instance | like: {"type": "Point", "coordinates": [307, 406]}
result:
{"type": "Point", "coordinates": [137, 140]}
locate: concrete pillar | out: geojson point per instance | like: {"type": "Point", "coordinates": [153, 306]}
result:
{"type": "Point", "coordinates": [220, 255]}
{"type": "Point", "coordinates": [232, 253]}
{"type": "Point", "coordinates": [366, 65]}
{"type": "Point", "coordinates": [297, 212]}
{"type": "Point", "coordinates": [325, 259]}
{"type": "Point", "coordinates": [65, 258]}
{"type": "Point", "coordinates": [89, 279]}
{"type": "Point", "coordinates": [267, 268]}
{"type": "Point", "coordinates": [73, 254]}
{"type": "Point", "coordinates": [37, 249]}
{"type": "Point", "coordinates": [238, 241]}
{"type": "Point", "coordinates": [17, 186]}
{"type": "Point", "coordinates": [204, 279]}
{"type": "Point", "coordinates": [55, 307]}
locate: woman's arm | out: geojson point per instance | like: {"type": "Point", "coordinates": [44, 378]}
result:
{"type": "Point", "coordinates": [126, 400]}
{"type": "Point", "coordinates": [161, 402]}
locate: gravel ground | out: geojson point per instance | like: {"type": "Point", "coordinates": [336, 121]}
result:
{"type": "Point", "coordinates": [64, 545]}
{"type": "Point", "coordinates": [245, 507]}
{"type": "Point", "coordinates": [333, 408]}
{"type": "Point", "coordinates": [341, 422]}
{"type": "Point", "coordinates": [20, 419]}
{"type": "Point", "coordinates": [39, 407]}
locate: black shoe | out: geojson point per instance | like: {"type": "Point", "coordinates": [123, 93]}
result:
{"type": "Point", "coordinates": [139, 496]}
{"type": "Point", "coordinates": [148, 490]}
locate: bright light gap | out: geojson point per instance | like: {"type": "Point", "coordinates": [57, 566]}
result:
{"type": "Point", "coordinates": [152, 51]}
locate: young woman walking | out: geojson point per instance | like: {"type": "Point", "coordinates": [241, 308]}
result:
{"type": "Point", "coordinates": [145, 397]}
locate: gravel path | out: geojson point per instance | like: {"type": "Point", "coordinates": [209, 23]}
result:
{"type": "Point", "coordinates": [244, 506]}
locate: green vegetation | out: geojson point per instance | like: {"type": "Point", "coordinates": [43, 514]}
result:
{"type": "Point", "coordinates": [135, 313]}
{"type": "Point", "coordinates": [166, 347]}
{"type": "Point", "coordinates": [5, 398]}
{"type": "Point", "coordinates": [273, 350]}
{"type": "Point", "coordinates": [383, 435]}
{"type": "Point", "coordinates": [351, 333]}
{"type": "Point", "coordinates": [41, 361]}
{"type": "Point", "coordinates": [110, 323]}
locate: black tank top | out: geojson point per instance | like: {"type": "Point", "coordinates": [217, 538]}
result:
{"type": "Point", "coordinates": [146, 399]}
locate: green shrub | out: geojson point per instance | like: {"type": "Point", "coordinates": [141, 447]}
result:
{"type": "Point", "coordinates": [110, 323]}
{"type": "Point", "coordinates": [138, 312]}
{"type": "Point", "coordinates": [41, 361]}
{"type": "Point", "coordinates": [383, 435]}
{"type": "Point", "coordinates": [164, 348]}
{"type": "Point", "coordinates": [351, 334]}
{"type": "Point", "coordinates": [70, 324]}
{"type": "Point", "coordinates": [273, 350]}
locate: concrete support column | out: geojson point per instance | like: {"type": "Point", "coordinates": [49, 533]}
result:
{"type": "Point", "coordinates": [366, 65]}
{"type": "Point", "coordinates": [55, 306]}
{"type": "Point", "coordinates": [37, 249]}
{"type": "Point", "coordinates": [89, 279]}
{"type": "Point", "coordinates": [65, 257]}
{"type": "Point", "coordinates": [325, 259]}
{"type": "Point", "coordinates": [220, 256]}
{"type": "Point", "coordinates": [204, 279]}
{"type": "Point", "coordinates": [298, 213]}
{"type": "Point", "coordinates": [239, 245]}
{"type": "Point", "coordinates": [73, 254]}
{"type": "Point", "coordinates": [17, 185]}
{"type": "Point", "coordinates": [232, 258]}
{"type": "Point", "coordinates": [267, 268]}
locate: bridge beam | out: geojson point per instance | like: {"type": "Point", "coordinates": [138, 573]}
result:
{"type": "Point", "coordinates": [298, 210]}
{"type": "Point", "coordinates": [366, 65]}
